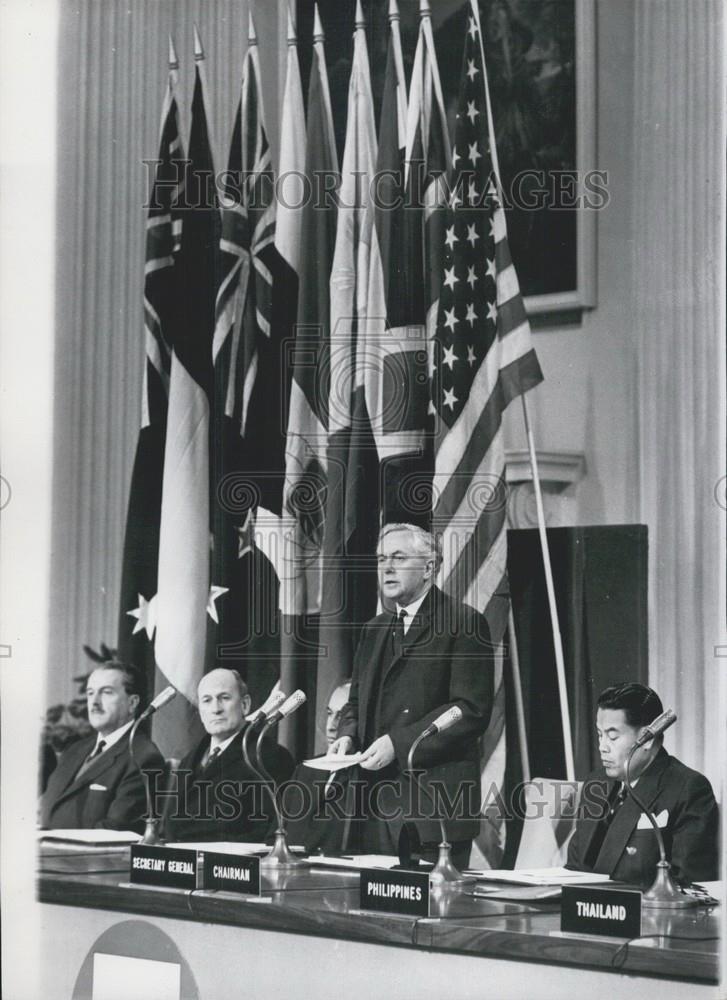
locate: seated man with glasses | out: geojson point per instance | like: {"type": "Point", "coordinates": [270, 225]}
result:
{"type": "Point", "coordinates": [412, 663]}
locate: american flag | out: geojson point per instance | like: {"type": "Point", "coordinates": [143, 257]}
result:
{"type": "Point", "coordinates": [482, 359]}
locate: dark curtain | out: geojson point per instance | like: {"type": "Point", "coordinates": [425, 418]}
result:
{"type": "Point", "coordinates": [600, 579]}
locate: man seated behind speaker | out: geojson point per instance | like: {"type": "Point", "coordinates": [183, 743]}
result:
{"type": "Point", "coordinates": [314, 801]}
{"type": "Point", "coordinates": [96, 783]}
{"type": "Point", "coordinates": [213, 794]}
{"type": "Point", "coordinates": [612, 835]}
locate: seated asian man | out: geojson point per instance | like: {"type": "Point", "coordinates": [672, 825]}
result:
{"type": "Point", "coordinates": [314, 800]}
{"type": "Point", "coordinates": [96, 783]}
{"type": "Point", "coordinates": [214, 795]}
{"type": "Point", "coordinates": [612, 835]}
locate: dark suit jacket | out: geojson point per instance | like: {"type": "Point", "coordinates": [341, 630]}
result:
{"type": "Point", "coordinates": [629, 854]}
{"type": "Point", "coordinates": [109, 795]}
{"type": "Point", "coordinates": [226, 801]}
{"type": "Point", "coordinates": [317, 810]}
{"type": "Point", "coordinates": [446, 660]}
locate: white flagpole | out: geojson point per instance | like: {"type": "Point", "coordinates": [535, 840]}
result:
{"type": "Point", "coordinates": [557, 639]}
{"type": "Point", "coordinates": [522, 735]}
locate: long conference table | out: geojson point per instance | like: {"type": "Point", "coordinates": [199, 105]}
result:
{"type": "Point", "coordinates": [306, 937]}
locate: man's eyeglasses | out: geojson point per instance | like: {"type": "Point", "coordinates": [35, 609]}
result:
{"type": "Point", "coordinates": [398, 559]}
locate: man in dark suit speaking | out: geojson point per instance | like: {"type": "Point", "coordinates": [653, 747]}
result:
{"type": "Point", "coordinates": [612, 835]}
{"type": "Point", "coordinates": [96, 783]}
{"type": "Point", "coordinates": [409, 667]}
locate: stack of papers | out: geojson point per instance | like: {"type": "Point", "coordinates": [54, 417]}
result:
{"type": "Point", "coordinates": [355, 861]}
{"type": "Point", "coordinates": [226, 847]}
{"type": "Point", "coordinates": [90, 838]}
{"type": "Point", "coordinates": [220, 846]}
{"type": "Point", "coordinates": [539, 876]}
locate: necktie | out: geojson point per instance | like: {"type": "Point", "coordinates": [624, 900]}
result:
{"type": "Point", "coordinates": [618, 801]}
{"type": "Point", "coordinates": [398, 632]}
{"type": "Point", "coordinates": [213, 755]}
{"type": "Point", "coordinates": [615, 803]}
{"type": "Point", "coordinates": [96, 752]}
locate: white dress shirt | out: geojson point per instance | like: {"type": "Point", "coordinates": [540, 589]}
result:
{"type": "Point", "coordinates": [112, 738]}
{"type": "Point", "coordinates": [411, 610]}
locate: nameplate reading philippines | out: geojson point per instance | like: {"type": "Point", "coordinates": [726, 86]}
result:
{"type": "Point", "coordinates": [401, 892]}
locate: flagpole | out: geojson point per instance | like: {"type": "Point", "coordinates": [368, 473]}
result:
{"type": "Point", "coordinates": [557, 639]}
{"type": "Point", "coordinates": [522, 734]}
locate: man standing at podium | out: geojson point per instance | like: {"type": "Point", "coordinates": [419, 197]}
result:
{"type": "Point", "coordinates": [96, 784]}
{"type": "Point", "coordinates": [612, 835]}
{"type": "Point", "coordinates": [412, 664]}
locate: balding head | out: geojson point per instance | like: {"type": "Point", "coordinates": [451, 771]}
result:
{"type": "Point", "coordinates": [223, 703]}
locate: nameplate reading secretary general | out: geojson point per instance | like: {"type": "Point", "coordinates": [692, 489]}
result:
{"type": "Point", "coordinates": [410, 666]}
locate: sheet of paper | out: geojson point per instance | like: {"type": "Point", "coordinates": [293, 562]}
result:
{"type": "Point", "coordinates": [92, 838]}
{"type": "Point", "coordinates": [355, 861]}
{"type": "Point", "coordinates": [226, 846]}
{"type": "Point", "coordinates": [221, 846]}
{"type": "Point", "coordinates": [333, 761]}
{"type": "Point", "coordinates": [538, 876]}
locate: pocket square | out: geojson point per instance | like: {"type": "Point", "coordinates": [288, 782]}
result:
{"type": "Point", "coordinates": [98, 788]}
{"type": "Point", "coordinates": [661, 820]}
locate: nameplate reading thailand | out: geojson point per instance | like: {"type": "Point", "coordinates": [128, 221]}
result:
{"type": "Point", "coordinates": [163, 866]}
{"type": "Point", "coordinates": [231, 873]}
{"type": "Point", "coordinates": [395, 892]}
{"type": "Point", "coordinates": [611, 912]}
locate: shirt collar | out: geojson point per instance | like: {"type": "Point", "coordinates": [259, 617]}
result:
{"type": "Point", "coordinates": [223, 744]}
{"type": "Point", "coordinates": [411, 610]}
{"type": "Point", "coordinates": [114, 737]}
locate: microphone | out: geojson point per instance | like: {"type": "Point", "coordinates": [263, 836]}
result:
{"type": "Point", "coordinates": [443, 721]}
{"type": "Point", "coordinates": [657, 727]}
{"type": "Point", "coordinates": [664, 893]}
{"type": "Point", "coordinates": [272, 701]}
{"type": "Point", "coordinates": [279, 858]}
{"type": "Point", "coordinates": [289, 706]}
{"type": "Point", "coordinates": [151, 828]}
{"type": "Point", "coordinates": [162, 699]}
{"type": "Point", "coordinates": [257, 718]}
{"type": "Point", "coordinates": [444, 872]}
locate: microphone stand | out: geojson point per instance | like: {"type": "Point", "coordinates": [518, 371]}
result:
{"type": "Point", "coordinates": [444, 873]}
{"type": "Point", "coordinates": [664, 892]}
{"type": "Point", "coordinates": [151, 836]}
{"type": "Point", "coordinates": [279, 857]}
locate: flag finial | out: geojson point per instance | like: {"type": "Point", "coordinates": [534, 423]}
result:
{"type": "Point", "coordinates": [394, 11]}
{"type": "Point", "coordinates": [318, 35]}
{"type": "Point", "coordinates": [198, 50]}
{"type": "Point", "coordinates": [173, 61]}
{"type": "Point", "coordinates": [360, 19]}
{"type": "Point", "coordinates": [251, 33]}
{"type": "Point", "coordinates": [424, 9]}
{"type": "Point", "coordinates": [292, 37]}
